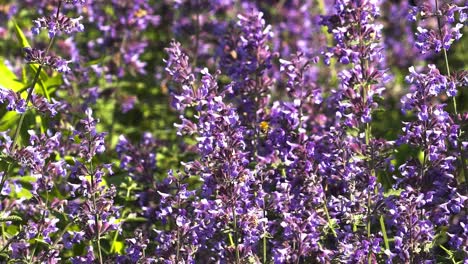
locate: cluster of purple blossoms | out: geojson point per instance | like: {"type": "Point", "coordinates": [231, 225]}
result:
{"type": "Point", "coordinates": [428, 183]}
{"type": "Point", "coordinates": [448, 28]}
{"type": "Point", "coordinates": [15, 102]}
{"type": "Point", "coordinates": [121, 34]}
{"type": "Point", "coordinates": [37, 56]}
{"type": "Point", "coordinates": [56, 24]}
{"type": "Point", "coordinates": [279, 155]}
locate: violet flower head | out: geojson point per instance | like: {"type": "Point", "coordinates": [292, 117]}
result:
{"type": "Point", "coordinates": [76, 2]}
{"type": "Point", "coordinates": [178, 66]}
{"type": "Point", "coordinates": [91, 141]}
{"type": "Point", "coordinates": [15, 102]}
{"type": "Point", "coordinates": [58, 24]}
{"type": "Point", "coordinates": [42, 105]}
{"type": "Point", "coordinates": [447, 31]}
{"type": "Point", "coordinates": [247, 52]}
{"type": "Point", "coordinates": [138, 160]}
{"type": "Point", "coordinates": [34, 55]}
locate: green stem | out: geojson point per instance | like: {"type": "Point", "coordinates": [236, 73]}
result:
{"type": "Point", "coordinates": [255, 142]}
{"type": "Point", "coordinates": [325, 209]}
{"type": "Point", "coordinates": [454, 102]}
{"type": "Point", "coordinates": [197, 32]}
{"type": "Point", "coordinates": [236, 235]}
{"type": "Point", "coordinates": [384, 232]}
{"type": "Point", "coordinates": [96, 216]}
{"type": "Point", "coordinates": [178, 229]}
{"type": "Point", "coordinates": [264, 250]}
{"type": "Point", "coordinates": [333, 75]}
{"type": "Point", "coordinates": [368, 134]}
{"type": "Point", "coordinates": [439, 25]}
{"type": "Point", "coordinates": [3, 233]}
{"type": "Point", "coordinates": [33, 252]}
{"type": "Point", "coordinates": [28, 98]}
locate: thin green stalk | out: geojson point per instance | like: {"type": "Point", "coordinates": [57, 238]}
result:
{"type": "Point", "coordinates": [60, 235]}
{"type": "Point", "coordinates": [28, 98]}
{"type": "Point", "coordinates": [96, 216]}
{"type": "Point", "coordinates": [93, 197]}
{"type": "Point", "coordinates": [454, 101]}
{"type": "Point", "coordinates": [5, 247]}
{"type": "Point", "coordinates": [178, 231]}
{"type": "Point", "coordinates": [264, 250]}
{"type": "Point", "coordinates": [329, 38]}
{"type": "Point", "coordinates": [256, 138]}
{"type": "Point", "coordinates": [197, 32]}
{"type": "Point", "coordinates": [33, 252]}
{"type": "Point", "coordinates": [368, 136]}
{"type": "Point", "coordinates": [31, 88]}
{"type": "Point", "coordinates": [178, 245]}
{"type": "Point", "coordinates": [439, 25]}
{"type": "Point", "coordinates": [298, 250]}
{"type": "Point", "coordinates": [3, 233]}
{"type": "Point", "coordinates": [325, 209]}
{"type": "Point", "coordinates": [236, 235]}
{"type": "Point", "coordinates": [384, 232]}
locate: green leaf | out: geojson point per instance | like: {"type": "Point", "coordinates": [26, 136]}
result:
{"type": "Point", "coordinates": [421, 157]}
{"type": "Point", "coordinates": [391, 192]}
{"type": "Point", "coordinates": [43, 77]}
{"type": "Point", "coordinates": [13, 218]}
{"type": "Point", "coordinates": [9, 79]}
{"type": "Point", "coordinates": [8, 120]}
{"type": "Point", "coordinates": [21, 37]}
{"type": "Point", "coordinates": [118, 247]}
{"type": "Point", "coordinates": [42, 241]}
{"type": "Point", "coordinates": [24, 193]}
{"type": "Point", "coordinates": [136, 219]}
{"type": "Point", "coordinates": [53, 83]}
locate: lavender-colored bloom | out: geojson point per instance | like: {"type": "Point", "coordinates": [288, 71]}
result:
{"type": "Point", "coordinates": [58, 24]}
{"type": "Point", "coordinates": [15, 102]}
{"type": "Point", "coordinates": [139, 161]}
{"type": "Point", "coordinates": [92, 142]}
{"type": "Point", "coordinates": [448, 29]}
{"type": "Point", "coordinates": [430, 187]}
{"type": "Point", "coordinates": [42, 105]}
{"type": "Point", "coordinates": [19, 249]}
{"type": "Point", "coordinates": [178, 66]}
{"type": "Point", "coordinates": [74, 2]}
{"type": "Point", "coordinates": [88, 258]}
{"type": "Point", "coordinates": [34, 55]}
{"type": "Point", "coordinates": [128, 103]}
{"type": "Point", "coordinates": [71, 238]}
{"type": "Point", "coordinates": [247, 53]}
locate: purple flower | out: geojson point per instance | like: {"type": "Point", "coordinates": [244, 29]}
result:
{"type": "Point", "coordinates": [38, 56]}
{"type": "Point", "coordinates": [57, 24]}
{"type": "Point", "coordinates": [15, 102]}
{"type": "Point", "coordinates": [448, 29]}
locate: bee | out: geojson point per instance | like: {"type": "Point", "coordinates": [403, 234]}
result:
{"type": "Point", "coordinates": [141, 13]}
{"type": "Point", "coordinates": [231, 51]}
{"type": "Point", "coordinates": [264, 127]}
{"type": "Point", "coordinates": [5, 8]}
{"type": "Point", "coordinates": [233, 54]}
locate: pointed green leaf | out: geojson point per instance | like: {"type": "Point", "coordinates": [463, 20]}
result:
{"type": "Point", "coordinates": [8, 79]}
{"type": "Point", "coordinates": [21, 37]}
{"type": "Point", "coordinates": [43, 77]}
{"type": "Point", "coordinates": [8, 120]}
{"type": "Point", "coordinates": [12, 218]}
